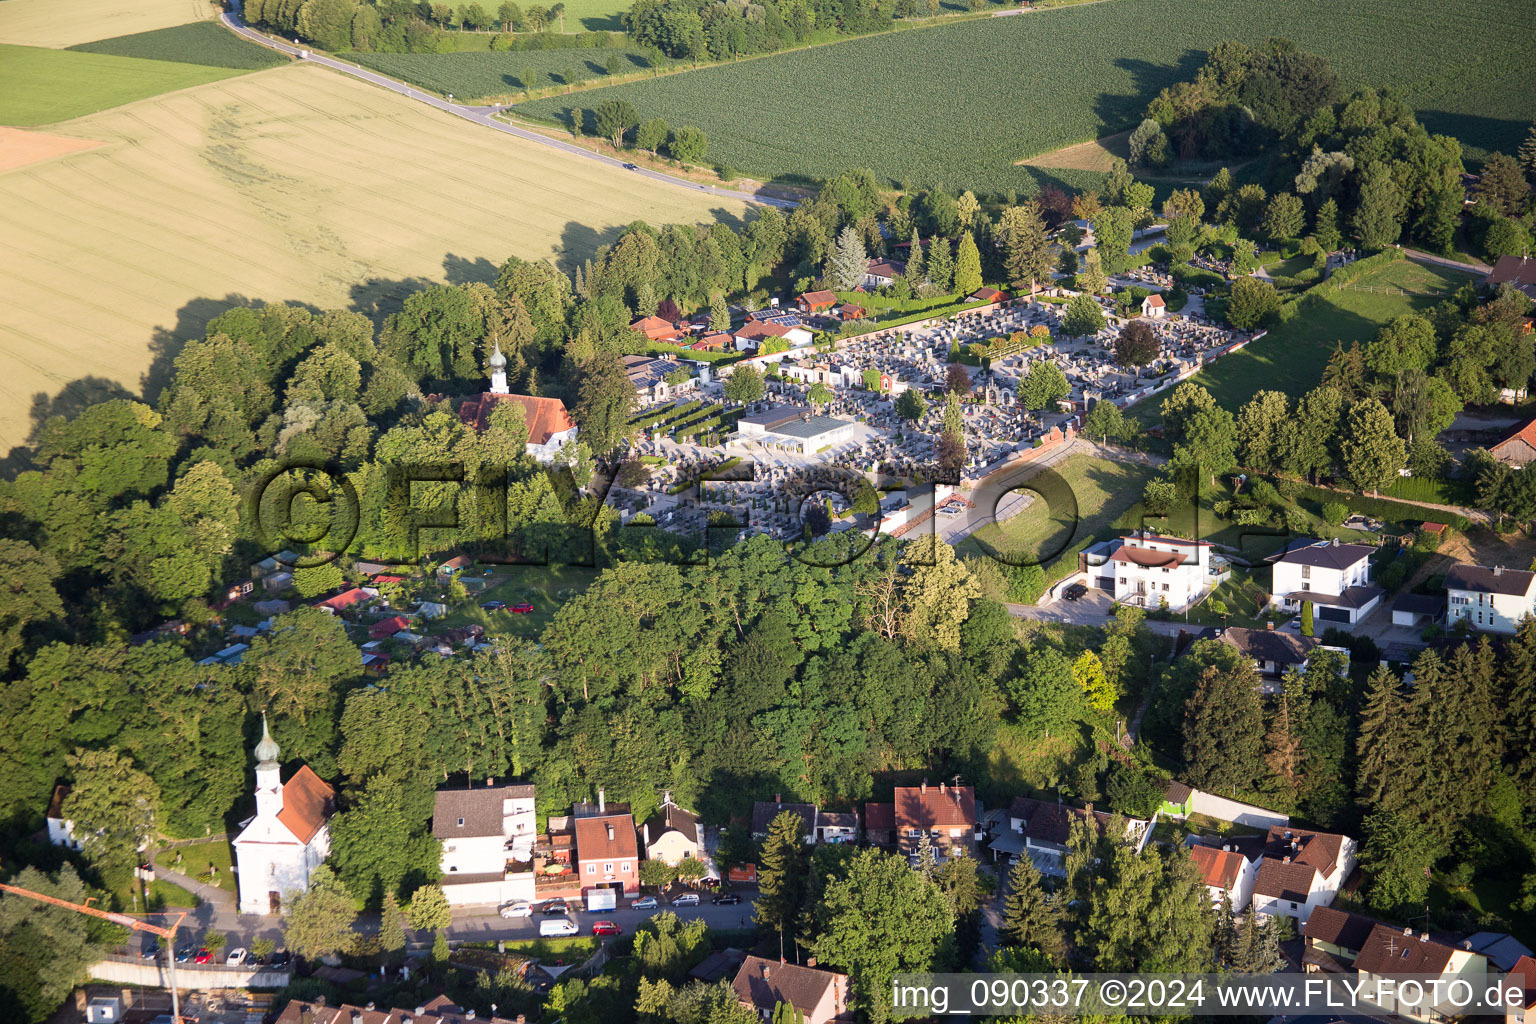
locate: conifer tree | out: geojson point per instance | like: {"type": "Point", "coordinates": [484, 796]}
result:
{"type": "Point", "coordinates": [915, 260]}
{"type": "Point", "coordinates": [719, 313]}
{"type": "Point", "coordinates": [781, 880]}
{"type": "Point", "coordinates": [1224, 729]}
{"type": "Point", "coordinates": [1031, 917]}
{"type": "Point", "coordinates": [967, 266]}
{"type": "Point", "coordinates": [941, 264]}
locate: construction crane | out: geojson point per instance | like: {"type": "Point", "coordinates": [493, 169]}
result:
{"type": "Point", "coordinates": [167, 933]}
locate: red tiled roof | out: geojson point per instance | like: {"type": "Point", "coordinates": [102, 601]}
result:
{"type": "Point", "coordinates": [764, 984]}
{"type": "Point", "coordinates": [754, 329]}
{"type": "Point", "coordinates": [1219, 868]}
{"type": "Point", "coordinates": [545, 417]}
{"type": "Point", "coordinates": [1154, 300]}
{"type": "Point", "coordinates": [606, 837]}
{"type": "Point", "coordinates": [1524, 975]}
{"type": "Point", "coordinates": [1393, 950]}
{"type": "Point", "coordinates": [1518, 446]}
{"type": "Point", "coordinates": [346, 599]}
{"type": "Point", "coordinates": [935, 806]}
{"type": "Point", "coordinates": [388, 627]}
{"type": "Point", "coordinates": [712, 341]}
{"type": "Point", "coordinates": [307, 802]}
{"type": "Point", "coordinates": [879, 816]}
{"type": "Point", "coordinates": [1311, 854]}
{"type": "Point", "coordinates": [821, 298]}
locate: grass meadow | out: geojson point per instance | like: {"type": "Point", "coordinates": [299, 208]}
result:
{"type": "Point", "coordinates": [507, 73]}
{"type": "Point", "coordinates": [40, 86]}
{"type": "Point", "coordinates": [201, 42]}
{"type": "Point", "coordinates": [961, 104]}
{"type": "Point", "coordinates": [293, 184]}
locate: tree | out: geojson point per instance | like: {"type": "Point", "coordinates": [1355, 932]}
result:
{"type": "Point", "coordinates": [782, 873]}
{"type": "Point", "coordinates": [604, 404]}
{"type": "Point", "coordinates": [1113, 228]}
{"type": "Point", "coordinates": [820, 396]}
{"type": "Point", "coordinates": [1031, 916]}
{"type": "Point", "coordinates": [1043, 385]}
{"type": "Point", "coordinates": [1253, 302]}
{"type": "Point", "coordinates": [1104, 421]}
{"type": "Point", "coordinates": [941, 265]}
{"type": "Point", "coordinates": [688, 145]}
{"type": "Point", "coordinates": [1261, 426]}
{"type": "Point", "coordinates": [1397, 856]}
{"type": "Point", "coordinates": [911, 405]}
{"type": "Point", "coordinates": [613, 119]}
{"type": "Point", "coordinates": [1502, 186]}
{"type": "Point", "coordinates": [719, 313]}
{"type": "Point", "coordinates": [1372, 452]}
{"type": "Point", "coordinates": [1091, 279]}
{"type": "Point", "coordinates": [1045, 693]}
{"type": "Point", "coordinates": [1082, 317]}
{"type": "Point", "coordinates": [879, 897]}
{"type": "Point", "coordinates": [29, 598]}
{"type": "Point", "coordinates": [1306, 618]}
{"type": "Point", "coordinates": [967, 266]}
{"type": "Point", "coordinates": [429, 909]}
{"type": "Point", "coordinates": [1028, 255]}
{"type": "Point", "coordinates": [320, 920]}
{"type": "Point", "coordinates": [1137, 344]}
{"type": "Point", "coordinates": [1224, 730]}
{"type": "Point", "coordinates": [392, 926]}
{"type": "Point", "coordinates": [1325, 227]}
{"type": "Point", "coordinates": [113, 806]}
{"type": "Point", "coordinates": [46, 951]}
{"type": "Point", "coordinates": [1209, 443]}
{"type": "Point", "coordinates": [848, 261]}
{"type": "Point", "coordinates": [1099, 690]}
{"type": "Point", "coordinates": [744, 385]}
{"type": "Point", "coordinates": [957, 380]}
{"type": "Point", "coordinates": [1148, 145]}
{"type": "Point", "coordinates": [1177, 409]}
{"type": "Point", "coordinates": [1378, 220]}
{"type": "Point", "coordinates": [651, 135]}
{"type": "Point", "coordinates": [1284, 218]}
{"type": "Point", "coordinates": [374, 846]}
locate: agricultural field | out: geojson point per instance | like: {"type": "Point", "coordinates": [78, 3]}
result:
{"type": "Point", "coordinates": [1292, 356]}
{"type": "Point", "coordinates": [39, 86]}
{"type": "Point", "coordinates": [289, 184]}
{"type": "Point", "coordinates": [962, 104]}
{"type": "Point", "coordinates": [61, 23]}
{"type": "Point", "coordinates": [480, 76]}
{"type": "Point", "coordinates": [202, 42]}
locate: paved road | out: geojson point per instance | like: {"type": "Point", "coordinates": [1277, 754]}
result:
{"type": "Point", "coordinates": [483, 115]}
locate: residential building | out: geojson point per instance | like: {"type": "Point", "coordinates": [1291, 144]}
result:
{"type": "Point", "coordinates": [764, 811]}
{"type": "Point", "coordinates": [1390, 951]}
{"type": "Point", "coordinates": [987, 293]}
{"type": "Point", "coordinates": [671, 835]}
{"type": "Point", "coordinates": [1273, 652]}
{"type": "Point", "coordinates": [649, 376]}
{"type": "Point", "coordinates": [1228, 873]}
{"type": "Point", "coordinates": [441, 1010]}
{"type": "Point", "coordinates": [1502, 949]}
{"type": "Point", "coordinates": [1522, 977]}
{"type": "Point", "coordinates": [751, 335]}
{"type": "Point", "coordinates": [880, 824]}
{"type": "Point", "coordinates": [1040, 830]}
{"type": "Point", "coordinates": [1333, 939]}
{"type": "Point", "coordinates": [1493, 600]}
{"type": "Point", "coordinates": [1147, 570]}
{"type": "Point", "coordinates": [61, 831]}
{"type": "Point", "coordinates": [1518, 448]}
{"type": "Point", "coordinates": [1301, 870]}
{"type": "Point", "coordinates": [289, 836]}
{"type": "Point", "coordinates": [1334, 577]}
{"type": "Point", "coordinates": [883, 273]}
{"type": "Point", "coordinates": [606, 852]}
{"type": "Point", "coordinates": [821, 997]}
{"type": "Point", "coordinates": [657, 329]}
{"type": "Point", "coordinates": [817, 302]}
{"type": "Point", "coordinates": [946, 813]}
{"type": "Point", "coordinates": [1154, 307]}
{"type": "Point", "coordinates": [487, 834]}
{"type": "Point", "coordinates": [1519, 271]}
{"type": "Point", "coordinates": [837, 827]}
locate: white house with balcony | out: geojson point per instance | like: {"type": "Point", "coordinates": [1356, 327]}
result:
{"type": "Point", "coordinates": [1148, 570]}
{"type": "Point", "coordinates": [1334, 577]}
{"type": "Point", "coordinates": [1301, 870]}
{"type": "Point", "coordinates": [487, 832]}
{"type": "Point", "coordinates": [1493, 600]}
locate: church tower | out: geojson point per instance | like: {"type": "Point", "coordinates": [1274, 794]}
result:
{"type": "Point", "coordinates": [269, 787]}
{"type": "Point", "coordinates": [498, 364]}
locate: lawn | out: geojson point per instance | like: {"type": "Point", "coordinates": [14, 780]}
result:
{"type": "Point", "coordinates": [39, 86]}
{"type": "Point", "coordinates": [544, 587]}
{"type": "Point", "coordinates": [1021, 764]}
{"type": "Point", "coordinates": [504, 74]}
{"type": "Point", "coordinates": [202, 42]}
{"type": "Point", "coordinates": [60, 23]}
{"type": "Point", "coordinates": [289, 184]}
{"type": "Point", "coordinates": [1292, 356]}
{"type": "Point", "coordinates": [196, 860]}
{"type": "Point", "coordinates": [963, 103]}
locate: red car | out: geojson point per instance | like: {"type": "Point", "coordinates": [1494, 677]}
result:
{"type": "Point", "coordinates": [606, 928]}
{"type": "Point", "coordinates": [204, 956]}
{"type": "Point", "coordinates": [522, 609]}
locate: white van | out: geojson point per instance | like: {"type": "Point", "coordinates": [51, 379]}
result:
{"type": "Point", "coordinates": [557, 928]}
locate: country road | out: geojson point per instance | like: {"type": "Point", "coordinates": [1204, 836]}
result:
{"type": "Point", "coordinates": [483, 115]}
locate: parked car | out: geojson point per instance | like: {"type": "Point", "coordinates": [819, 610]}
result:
{"type": "Point", "coordinates": [522, 608]}
{"type": "Point", "coordinates": [645, 903]}
{"type": "Point", "coordinates": [554, 906]}
{"type": "Point", "coordinates": [518, 909]}
{"type": "Point", "coordinates": [204, 955]}
{"type": "Point", "coordinates": [557, 929]}
{"type": "Point", "coordinates": [282, 958]}
{"type": "Point", "coordinates": [726, 898]}
{"type": "Point", "coordinates": [185, 954]}
{"type": "Point", "coordinates": [149, 951]}
{"type": "Point", "coordinates": [1074, 592]}
{"type": "Point", "coordinates": [237, 956]}
{"type": "Point", "coordinates": [630, 167]}
{"type": "Point", "coordinates": [687, 899]}
{"type": "Point", "coordinates": [493, 606]}
{"type": "Point", "coordinates": [606, 928]}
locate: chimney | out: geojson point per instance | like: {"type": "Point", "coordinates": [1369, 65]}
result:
{"type": "Point", "coordinates": [765, 970]}
{"type": "Point", "coordinates": [600, 802]}
{"type": "Point", "coordinates": [943, 789]}
{"type": "Point", "coordinates": [369, 1006]}
{"type": "Point", "coordinates": [420, 1010]}
{"type": "Point", "coordinates": [1424, 937]}
{"type": "Point", "coordinates": [1270, 626]}
{"type": "Point", "coordinates": [1498, 570]}
{"type": "Point", "coordinates": [1226, 847]}
{"type": "Point", "coordinates": [925, 787]}
{"type": "Point", "coordinates": [1335, 542]}
{"type": "Point", "coordinates": [778, 799]}
{"type": "Point", "coordinates": [1407, 931]}
{"type": "Point", "coordinates": [490, 783]}
{"type": "Point", "coordinates": [810, 961]}
{"type": "Point", "coordinates": [469, 1014]}
{"type": "Point", "coordinates": [1286, 859]}
{"type": "Point", "coordinates": [357, 1017]}
{"type": "Point", "coordinates": [645, 831]}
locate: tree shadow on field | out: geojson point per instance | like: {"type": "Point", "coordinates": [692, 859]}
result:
{"type": "Point", "coordinates": [1477, 133]}
{"type": "Point", "coordinates": [464, 270]}
{"type": "Point", "coordinates": [167, 342]}
{"type": "Point", "coordinates": [580, 242]}
{"type": "Point", "coordinates": [1118, 112]}
{"type": "Point", "coordinates": [72, 399]}
{"type": "Point", "coordinates": [377, 297]}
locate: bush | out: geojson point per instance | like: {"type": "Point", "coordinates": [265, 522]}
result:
{"type": "Point", "coordinates": [1131, 791]}
{"type": "Point", "coordinates": [1334, 513]}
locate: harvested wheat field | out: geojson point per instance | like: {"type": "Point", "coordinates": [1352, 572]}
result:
{"type": "Point", "coordinates": [290, 184]}
{"type": "Point", "coordinates": [60, 23]}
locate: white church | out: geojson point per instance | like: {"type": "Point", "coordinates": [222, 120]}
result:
{"type": "Point", "coordinates": [289, 836]}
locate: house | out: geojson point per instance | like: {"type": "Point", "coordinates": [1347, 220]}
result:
{"type": "Point", "coordinates": [1522, 977]}
{"type": "Point", "coordinates": [1335, 577]}
{"type": "Point", "coordinates": [1227, 872]}
{"type": "Point", "coordinates": [606, 852]}
{"type": "Point", "coordinates": [441, 1010]}
{"type": "Point", "coordinates": [550, 427]}
{"type": "Point", "coordinates": [1502, 949]}
{"type": "Point", "coordinates": [764, 811]}
{"type": "Point", "coordinates": [288, 837]}
{"type": "Point", "coordinates": [883, 273]}
{"type": "Point", "coordinates": [1300, 871]}
{"type": "Point", "coordinates": [1147, 570]}
{"type": "Point", "coordinates": [946, 813]}
{"type": "Point", "coordinates": [1518, 448]}
{"type": "Point", "coordinates": [1493, 599]}
{"type": "Point", "coordinates": [818, 996]}
{"type": "Point", "coordinates": [347, 600]}
{"type": "Point", "coordinates": [816, 302]}
{"type": "Point", "coordinates": [277, 582]}
{"type": "Point", "coordinates": [988, 294]}
{"type": "Point", "coordinates": [487, 835]}
{"type": "Point", "coordinates": [1154, 307]}
{"type": "Point", "coordinates": [1045, 829]}
{"type": "Point", "coordinates": [850, 311]}
{"type": "Point", "coordinates": [1273, 652]}
{"type": "Point", "coordinates": [61, 831]}
{"type": "Point", "coordinates": [656, 329]}
{"type": "Point", "coordinates": [751, 335]}
{"type": "Point", "coordinates": [837, 827]}
{"type": "Point", "coordinates": [671, 835]}
{"type": "Point", "coordinates": [648, 377]}
{"type": "Point", "coordinates": [880, 824]}
{"type": "Point", "coordinates": [714, 343]}
{"type": "Point", "coordinates": [1333, 940]}
{"type": "Point", "coordinates": [1391, 951]}
{"type": "Point", "coordinates": [1519, 271]}
{"type": "Point", "coordinates": [718, 966]}
{"type": "Point", "coordinates": [386, 628]}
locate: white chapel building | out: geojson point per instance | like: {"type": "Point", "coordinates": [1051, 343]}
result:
{"type": "Point", "coordinates": [288, 838]}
